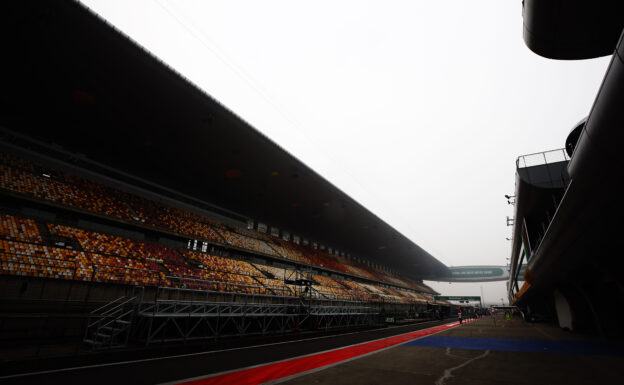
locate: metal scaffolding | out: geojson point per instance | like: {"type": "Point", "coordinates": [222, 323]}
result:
{"type": "Point", "coordinates": [167, 320]}
{"type": "Point", "coordinates": [180, 313]}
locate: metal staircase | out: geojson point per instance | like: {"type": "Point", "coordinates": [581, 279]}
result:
{"type": "Point", "coordinates": [109, 326]}
{"type": "Point", "coordinates": [181, 314]}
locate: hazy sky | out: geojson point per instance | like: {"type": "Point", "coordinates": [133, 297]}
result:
{"type": "Point", "coordinates": [417, 109]}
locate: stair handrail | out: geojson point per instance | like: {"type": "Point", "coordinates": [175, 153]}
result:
{"type": "Point", "coordinates": [113, 314]}
{"type": "Point", "coordinates": [112, 319]}
{"type": "Point", "coordinates": [108, 314]}
{"type": "Point", "coordinates": [118, 306]}
{"type": "Point", "coordinates": [106, 305]}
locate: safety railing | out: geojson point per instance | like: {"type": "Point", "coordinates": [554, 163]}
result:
{"type": "Point", "coordinates": [541, 158]}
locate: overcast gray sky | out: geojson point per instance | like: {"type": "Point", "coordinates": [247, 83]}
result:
{"type": "Point", "coordinates": [417, 109]}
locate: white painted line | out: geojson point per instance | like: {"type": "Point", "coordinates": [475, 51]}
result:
{"type": "Point", "coordinates": [448, 372]}
{"type": "Point", "coordinates": [347, 360]}
{"type": "Point", "coordinates": [312, 354]}
{"type": "Point", "coordinates": [201, 353]}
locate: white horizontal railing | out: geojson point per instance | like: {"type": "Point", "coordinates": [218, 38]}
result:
{"type": "Point", "coordinates": [541, 158]}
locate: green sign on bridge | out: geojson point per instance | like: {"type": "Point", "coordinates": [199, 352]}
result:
{"type": "Point", "coordinates": [456, 298]}
{"type": "Point", "coordinates": [476, 274]}
{"type": "Point", "coordinates": [461, 299]}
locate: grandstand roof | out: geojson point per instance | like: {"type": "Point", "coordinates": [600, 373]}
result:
{"type": "Point", "coordinates": [78, 83]}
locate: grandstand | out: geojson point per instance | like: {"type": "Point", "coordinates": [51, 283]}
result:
{"type": "Point", "coordinates": [148, 263]}
{"type": "Point", "coordinates": [139, 217]}
{"type": "Point", "coordinates": [81, 230]}
{"type": "Point", "coordinates": [73, 253]}
{"type": "Point", "coordinates": [62, 227]}
{"type": "Point", "coordinates": [126, 242]}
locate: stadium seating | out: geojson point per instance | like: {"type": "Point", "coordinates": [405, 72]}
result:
{"type": "Point", "coordinates": [225, 265]}
{"type": "Point", "coordinates": [224, 274]}
{"type": "Point", "coordinates": [112, 259]}
{"type": "Point", "coordinates": [276, 286]}
{"type": "Point", "coordinates": [291, 253]}
{"type": "Point", "coordinates": [19, 229]}
{"type": "Point", "coordinates": [20, 176]}
{"type": "Point", "coordinates": [171, 219]}
{"type": "Point", "coordinates": [332, 289]}
{"type": "Point", "coordinates": [35, 260]}
{"type": "Point", "coordinates": [240, 275]}
{"type": "Point", "coordinates": [25, 265]}
{"type": "Point", "coordinates": [245, 242]}
{"type": "Point", "coordinates": [41, 187]}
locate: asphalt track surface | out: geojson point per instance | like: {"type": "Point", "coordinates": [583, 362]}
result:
{"type": "Point", "coordinates": [181, 367]}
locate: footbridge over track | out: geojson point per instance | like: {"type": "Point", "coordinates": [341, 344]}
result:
{"type": "Point", "coordinates": [477, 274]}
